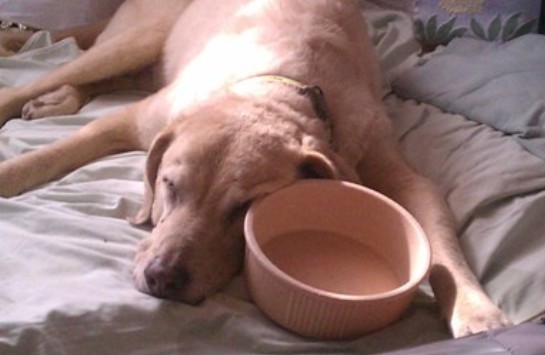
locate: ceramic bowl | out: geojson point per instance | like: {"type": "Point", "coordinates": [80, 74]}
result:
{"type": "Point", "coordinates": [331, 259]}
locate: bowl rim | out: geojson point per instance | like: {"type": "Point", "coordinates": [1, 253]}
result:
{"type": "Point", "coordinates": [253, 247]}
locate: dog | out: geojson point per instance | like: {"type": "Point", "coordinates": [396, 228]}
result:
{"type": "Point", "coordinates": [250, 96]}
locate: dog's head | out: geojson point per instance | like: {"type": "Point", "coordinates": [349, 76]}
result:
{"type": "Point", "coordinates": [202, 173]}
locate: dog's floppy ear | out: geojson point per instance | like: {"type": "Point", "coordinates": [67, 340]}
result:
{"type": "Point", "coordinates": [315, 165]}
{"type": "Point", "coordinates": [320, 161]}
{"type": "Point", "coordinates": [155, 155]}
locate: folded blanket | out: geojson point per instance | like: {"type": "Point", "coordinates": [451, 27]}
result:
{"type": "Point", "coordinates": [501, 85]}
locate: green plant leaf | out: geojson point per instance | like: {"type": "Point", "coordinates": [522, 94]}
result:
{"type": "Point", "coordinates": [419, 29]}
{"type": "Point", "coordinates": [510, 26]}
{"type": "Point", "coordinates": [525, 28]}
{"type": "Point", "coordinates": [431, 28]}
{"type": "Point", "coordinates": [457, 32]}
{"type": "Point", "coordinates": [444, 31]}
{"type": "Point", "coordinates": [494, 28]}
{"type": "Point", "coordinates": [477, 29]}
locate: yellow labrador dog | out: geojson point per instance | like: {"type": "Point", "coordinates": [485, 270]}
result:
{"type": "Point", "coordinates": [252, 95]}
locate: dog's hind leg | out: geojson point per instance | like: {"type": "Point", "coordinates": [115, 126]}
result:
{"type": "Point", "coordinates": [115, 57]}
{"type": "Point", "coordinates": [143, 29]}
{"type": "Point", "coordinates": [68, 99]}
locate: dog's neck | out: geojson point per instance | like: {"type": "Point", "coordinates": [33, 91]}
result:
{"type": "Point", "coordinates": [312, 94]}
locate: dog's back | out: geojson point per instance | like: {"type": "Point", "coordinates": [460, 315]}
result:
{"type": "Point", "coordinates": [319, 41]}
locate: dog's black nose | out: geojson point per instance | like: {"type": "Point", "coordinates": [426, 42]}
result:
{"type": "Point", "coordinates": [165, 281]}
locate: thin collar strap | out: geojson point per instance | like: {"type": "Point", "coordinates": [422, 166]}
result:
{"type": "Point", "coordinates": [313, 92]}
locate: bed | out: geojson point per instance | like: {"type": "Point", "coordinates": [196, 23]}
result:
{"type": "Point", "coordinates": [66, 247]}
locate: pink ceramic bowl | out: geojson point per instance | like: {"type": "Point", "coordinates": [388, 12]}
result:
{"type": "Point", "coordinates": [333, 260]}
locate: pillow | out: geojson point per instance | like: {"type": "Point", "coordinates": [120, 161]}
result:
{"type": "Point", "coordinates": [500, 85]}
{"type": "Point", "coordinates": [439, 21]}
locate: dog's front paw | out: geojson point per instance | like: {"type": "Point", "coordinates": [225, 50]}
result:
{"type": "Point", "coordinates": [471, 317]}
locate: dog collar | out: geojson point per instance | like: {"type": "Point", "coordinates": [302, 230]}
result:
{"type": "Point", "coordinates": [313, 92]}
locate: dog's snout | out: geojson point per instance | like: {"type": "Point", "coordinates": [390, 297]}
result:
{"type": "Point", "coordinates": [164, 280]}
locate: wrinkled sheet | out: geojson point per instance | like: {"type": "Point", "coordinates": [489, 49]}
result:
{"type": "Point", "coordinates": [66, 248]}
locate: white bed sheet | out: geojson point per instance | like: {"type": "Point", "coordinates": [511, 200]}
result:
{"type": "Point", "coordinates": [66, 249]}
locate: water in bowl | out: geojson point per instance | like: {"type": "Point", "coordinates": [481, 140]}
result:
{"type": "Point", "coordinates": [331, 262]}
